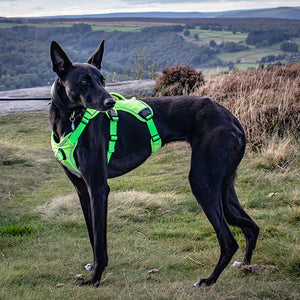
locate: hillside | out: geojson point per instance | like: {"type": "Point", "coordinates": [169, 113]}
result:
{"type": "Point", "coordinates": [279, 12]}
{"type": "Point", "coordinates": [141, 48]}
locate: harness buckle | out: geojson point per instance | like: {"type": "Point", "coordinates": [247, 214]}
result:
{"type": "Point", "coordinates": [145, 113]}
{"type": "Point", "coordinates": [113, 115]}
{"type": "Point", "coordinates": [113, 137]}
{"type": "Point", "coordinates": [155, 138]}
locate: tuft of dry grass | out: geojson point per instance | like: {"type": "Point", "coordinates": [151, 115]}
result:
{"type": "Point", "coordinates": [278, 153]}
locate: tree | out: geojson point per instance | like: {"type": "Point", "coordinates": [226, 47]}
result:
{"type": "Point", "coordinates": [289, 47]}
{"type": "Point", "coordinates": [139, 64]}
{"type": "Point", "coordinates": [272, 36]}
{"type": "Point", "coordinates": [186, 32]}
{"type": "Point", "coordinates": [212, 44]}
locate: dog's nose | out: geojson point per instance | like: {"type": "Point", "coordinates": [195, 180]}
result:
{"type": "Point", "coordinates": [109, 103]}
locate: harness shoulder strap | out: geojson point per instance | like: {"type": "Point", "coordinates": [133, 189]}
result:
{"type": "Point", "coordinates": [155, 137]}
{"type": "Point", "coordinates": [143, 112]}
{"type": "Point", "coordinates": [88, 115]}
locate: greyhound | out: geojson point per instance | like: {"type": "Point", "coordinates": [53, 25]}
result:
{"type": "Point", "coordinates": [217, 142]}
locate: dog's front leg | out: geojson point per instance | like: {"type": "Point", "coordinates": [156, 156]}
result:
{"type": "Point", "coordinates": [99, 221]}
{"type": "Point", "coordinates": [98, 199]}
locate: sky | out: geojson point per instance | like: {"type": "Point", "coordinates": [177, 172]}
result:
{"type": "Point", "coordinates": [35, 8]}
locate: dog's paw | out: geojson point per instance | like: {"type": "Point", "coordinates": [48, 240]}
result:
{"type": "Point", "coordinates": [203, 283]}
{"type": "Point", "coordinates": [200, 283]}
{"type": "Point", "coordinates": [90, 283]}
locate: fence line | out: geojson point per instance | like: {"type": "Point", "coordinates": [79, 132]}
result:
{"type": "Point", "coordinates": [21, 99]}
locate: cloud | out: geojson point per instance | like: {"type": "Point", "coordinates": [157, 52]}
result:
{"type": "Point", "coordinates": [35, 8]}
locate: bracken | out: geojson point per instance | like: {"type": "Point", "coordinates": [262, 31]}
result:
{"type": "Point", "coordinates": [266, 101]}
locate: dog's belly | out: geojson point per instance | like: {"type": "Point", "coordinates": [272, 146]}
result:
{"type": "Point", "coordinates": [121, 165]}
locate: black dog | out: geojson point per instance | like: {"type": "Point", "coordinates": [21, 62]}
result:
{"type": "Point", "coordinates": [216, 137]}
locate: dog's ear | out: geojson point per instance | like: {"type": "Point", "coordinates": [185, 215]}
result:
{"type": "Point", "coordinates": [96, 57]}
{"type": "Point", "coordinates": [60, 60]}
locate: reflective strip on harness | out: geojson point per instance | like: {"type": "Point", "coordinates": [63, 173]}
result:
{"type": "Point", "coordinates": [113, 137]}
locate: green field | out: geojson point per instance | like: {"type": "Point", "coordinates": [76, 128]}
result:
{"type": "Point", "coordinates": [205, 36]}
{"type": "Point", "coordinates": [116, 28]}
{"type": "Point", "coordinates": [248, 56]}
{"type": "Point", "coordinates": [154, 223]}
{"type": "Point", "coordinates": [241, 59]}
{"type": "Point", "coordinates": [41, 25]}
{"type": "Point", "coordinates": [65, 24]}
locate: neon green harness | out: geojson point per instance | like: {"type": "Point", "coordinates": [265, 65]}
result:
{"type": "Point", "coordinates": [64, 150]}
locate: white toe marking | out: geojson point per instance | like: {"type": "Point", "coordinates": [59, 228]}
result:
{"type": "Point", "coordinates": [89, 267]}
{"type": "Point", "coordinates": [236, 264]}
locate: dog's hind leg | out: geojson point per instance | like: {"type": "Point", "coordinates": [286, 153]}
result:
{"type": "Point", "coordinates": [236, 216]}
{"type": "Point", "coordinates": [209, 197]}
{"type": "Point", "coordinates": [206, 175]}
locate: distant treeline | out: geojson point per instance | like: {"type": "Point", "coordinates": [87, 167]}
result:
{"type": "Point", "coordinates": [25, 61]}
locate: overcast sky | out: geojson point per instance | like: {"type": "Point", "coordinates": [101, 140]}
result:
{"type": "Point", "coordinates": [34, 8]}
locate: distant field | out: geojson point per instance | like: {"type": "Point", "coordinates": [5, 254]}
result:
{"type": "Point", "coordinates": [252, 55]}
{"type": "Point", "coordinates": [241, 59]}
{"type": "Point", "coordinates": [94, 27]}
{"type": "Point", "coordinates": [205, 36]}
{"type": "Point", "coordinates": [41, 25]}
{"type": "Point", "coordinates": [116, 28]}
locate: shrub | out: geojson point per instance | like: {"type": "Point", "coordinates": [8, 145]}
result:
{"type": "Point", "coordinates": [178, 80]}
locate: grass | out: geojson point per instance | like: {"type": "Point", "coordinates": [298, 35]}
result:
{"type": "Point", "coordinates": [154, 224]}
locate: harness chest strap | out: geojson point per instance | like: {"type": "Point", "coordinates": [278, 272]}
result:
{"type": "Point", "coordinates": [64, 151]}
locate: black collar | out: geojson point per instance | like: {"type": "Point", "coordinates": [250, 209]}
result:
{"type": "Point", "coordinates": [60, 102]}
{"type": "Point", "coordinates": [55, 97]}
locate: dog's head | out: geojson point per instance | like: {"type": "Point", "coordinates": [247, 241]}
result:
{"type": "Point", "coordinates": [82, 84]}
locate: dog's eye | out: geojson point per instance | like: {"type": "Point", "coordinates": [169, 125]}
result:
{"type": "Point", "coordinates": [84, 82]}
{"type": "Point", "coordinates": [102, 79]}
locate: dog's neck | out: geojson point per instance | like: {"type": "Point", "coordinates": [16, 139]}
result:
{"type": "Point", "coordinates": [63, 117]}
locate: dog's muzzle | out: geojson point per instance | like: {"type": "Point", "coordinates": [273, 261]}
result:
{"type": "Point", "coordinates": [109, 103]}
